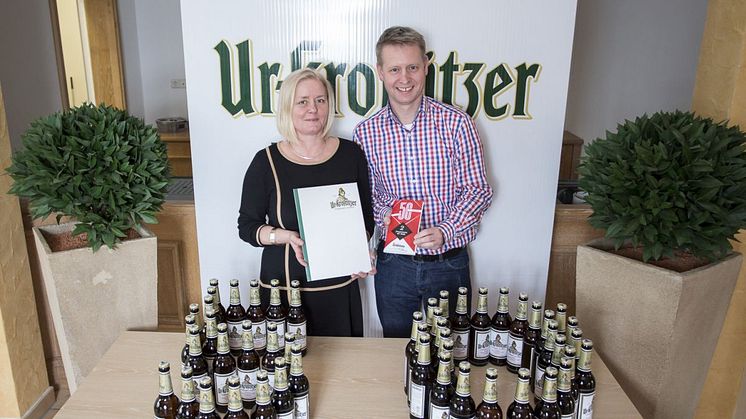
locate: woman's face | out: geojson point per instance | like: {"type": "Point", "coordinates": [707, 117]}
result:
{"type": "Point", "coordinates": [310, 108]}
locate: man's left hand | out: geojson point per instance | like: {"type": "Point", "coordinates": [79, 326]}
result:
{"type": "Point", "coordinates": [429, 238]}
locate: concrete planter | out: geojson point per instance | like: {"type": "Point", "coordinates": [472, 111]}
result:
{"type": "Point", "coordinates": [93, 297]}
{"type": "Point", "coordinates": [656, 329]}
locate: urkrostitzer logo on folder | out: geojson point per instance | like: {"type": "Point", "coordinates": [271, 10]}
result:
{"type": "Point", "coordinates": [331, 225]}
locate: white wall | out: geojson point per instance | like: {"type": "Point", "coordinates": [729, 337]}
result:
{"type": "Point", "coordinates": [28, 67]}
{"type": "Point", "coordinates": [631, 57]}
{"type": "Point", "coordinates": [150, 33]}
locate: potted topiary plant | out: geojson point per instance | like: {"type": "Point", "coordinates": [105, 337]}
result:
{"type": "Point", "coordinates": [670, 191]}
{"type": "Point", "coordinates": [107, 172]}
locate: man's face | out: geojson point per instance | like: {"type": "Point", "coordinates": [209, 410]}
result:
{"type": "Point", "coordinates": [403, 70]}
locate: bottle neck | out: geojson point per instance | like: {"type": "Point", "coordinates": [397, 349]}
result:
{"type": "Point", "coordinates": [482, 304]}
{"type": "Point", "coordinates": [413, 334]}
{"type": "Point", "coordinates": [463, 388]}
{"type": "Point", "coordinates": [247, 340]}
{"type": "Point", "coordinates": [254, 297]}
{"type": "Point", "coordinates": [558, 351]}
{"type": "Point", "coordinates": [211, 328]}
{"type": "Point", "coordinates": [522, 391]}
{"type": "Point", "coordinates": [444, 373]}
{"type": "Point", "coordinates": [461, 304]}
{"type": "Point", "coordinates": [584, 363]}
{"type": "Point", "coordinates": [561, 318]}
{"type": "Point", "coordinates": [235, 296]}
{"type": "Point", "coordinates": [273, 345]}
{"type": "Point", "coordinates": [235, 404]}
{"type": "Point", "coordinates": [444, 306]}
{"type": "Point", "coordinates": [549, 342]}
{"type": "Point", "coordinates": [223, 344]}
{"type": "Point", "coordinates": [564, 381]}
{"type": "Point", "coordinates": [195, 348]}
{"type": "Point", "coordinates": [187, 390]}
{"type": "Point", "coordinates": [423, 356]}
{"type": "Point", "coordinates": [490, 391]}
{"type": "Point", "coordinates": [274, 296]}
{"type": "Point", "coordinates": [502, 303]}
{"type": "Point", "coordinates": [522, 312]}
{"type": "Point", "coordinates": [262, 393]}
{"type": "Point", "coordinates": [295, 297]}
{"type": "Point", "coordinates": [545, 327]}
{"type": "Point", "coordinates": [206, 401]}
{"type": "Point", "coordinates": [534, 321]}
{"type": "Point", "coordinates": [164, 384]}
{"type": "Point", "coordinates": [296, 364]}
{"type": "Point", "coordinates": [281, 378]}
{"type": "Point", "coordinates": [549, 392]}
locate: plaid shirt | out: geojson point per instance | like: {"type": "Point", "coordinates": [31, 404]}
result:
{"type": "Point", "coordinates": [439, 161]}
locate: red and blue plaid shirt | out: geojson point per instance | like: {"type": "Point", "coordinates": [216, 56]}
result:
{"type": "Point", "coordinates": [439, 160]}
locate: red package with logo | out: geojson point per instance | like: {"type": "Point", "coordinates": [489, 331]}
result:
{"type": "Point", "coordinates": [405, 223]}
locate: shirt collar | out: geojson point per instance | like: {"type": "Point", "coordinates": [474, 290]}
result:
{"type": "Point", "coordinates": [422, 112]}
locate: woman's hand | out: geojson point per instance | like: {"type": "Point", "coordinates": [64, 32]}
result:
{"type": "Point", "coordinates": [293, 238]}
{"type": "Point", "coordinates": [363, 275]}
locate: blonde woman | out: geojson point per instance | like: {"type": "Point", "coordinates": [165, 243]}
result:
{"type": "Point", "coordinates": [306, 156]}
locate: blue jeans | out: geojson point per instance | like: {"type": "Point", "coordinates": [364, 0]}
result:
{"type": "Point", "coordinates": [403, 284]}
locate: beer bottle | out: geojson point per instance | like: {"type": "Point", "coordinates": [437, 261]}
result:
{"type": "Point", "coordinates": [410, 349]}
{"type": "Point", "coordinates": [548, 315]}
{"type": "Point", "coordinates": [517, 330]}
{"type": "Point", "coordinates": [235, 406]}
{"type": "Point", "coordinates": [547, 407]}
{"type": "Point", "coordinates": [577, 341]}
{"type": "Point", "coordinates": [196, 360]}
{"type": "Point", "coordinates": [255, 313]}
{"type": "Point", "coordinates": [235, 315]}
{"type": "Point", "coordinates": [432, 303]}
{"type": "Point", "coordinates": [289, 342]}
{"type": "Point", "coordinates": [531, 339]}
{"type": "Point", "coordinates": [445, 333]}
{"type": "Point", "coordinates": [296, 317]}
{"type": "Point", "coordinates": [440, 395]}
{"type": "Point", "coordinates": [460, 326]}
{"type": "Point", "coordinates": [210, 347]}
{"type": "Point", "coordinates": [217, 305]}
{"type": "Point", "coordinates": [545, 358]}
{"type": "Point", "coordinates": [206, 400]}
{"type": "Point", "coordinates": [559, 350]}
{"type": "Point", "coordinates": [438, 326]}
{"type": "Point", "coordinates": [223, 366]}
{"type": "Point", "coordinates": [570, 353]}
{"type": "Point", "coordinates": [489, 408]}
{"type": "Point", "coordinates": [462, 405]}
{"type": "Point", "coordinates": [188, 408]}
{"type": "Point", "coordinates": [520, 408]}
{"type": "Point", "coordinates": [248, 365]}
{"type": "Point", "coordinates": [586, 381]}
{"type": "Point", "coordinates": [447, 349]}
{"type": "Point", "coordinates": [564, 388]}
{"type": "Point", "coordinates": [561, 318]}
{"type": "Point", "coordinates": [422, 381]}
{"type": "Point", "coordinates": [273, 351]}
{"type": "Point", "coordinates": [572, 324]}
{"type": "Point", "coordinates": [443, 304]}
{"type": "Point", "coordinates": [209, 304]}
{"type": "Point", "coordinates": [299, 384]}
{"type": "Point", "coordinates": [189, 320]}
{"type": "Point", "coordinates": [166, 403]}
{"type": "Point", "coordinates": [500, 329]}
{"type": "Point", "coordinates": [282, 398]}
{"type": "Point", "coordinates": [479, 336]}
{"type": "Point", "coordinates": [421, 331]}
{"type": "Point", "coordinates": [276, 313]}
{"type": "Point", "coordinates": [199, 321]}
{"type": "Point", "coordinates": [264, 407]}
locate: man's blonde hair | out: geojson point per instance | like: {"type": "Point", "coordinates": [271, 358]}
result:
{"type": "Point", "coordinates": [399, 35]}
{"type": "Point", "coordinates": [287, 94]}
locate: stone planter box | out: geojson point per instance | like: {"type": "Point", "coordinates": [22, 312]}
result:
{"type": "Point", "coordinates": [93, 297]}
{"type": "Point", "coordinates": [656, 329]}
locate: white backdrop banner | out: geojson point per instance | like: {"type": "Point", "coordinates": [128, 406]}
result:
{"type": "Point", "coordinates": [506, 63]}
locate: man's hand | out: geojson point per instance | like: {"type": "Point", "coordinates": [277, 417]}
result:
{"type": "Point", "coordinates": [429, 238]}
{"type": "Point", "coordinates": [297, 244]}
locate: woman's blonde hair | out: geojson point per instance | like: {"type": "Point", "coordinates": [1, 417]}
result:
{"type": "Point", "coordinates": [287, 94]}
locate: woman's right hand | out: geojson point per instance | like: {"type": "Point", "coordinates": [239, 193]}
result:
{"type": "Point", "coordinates": [293, 238]}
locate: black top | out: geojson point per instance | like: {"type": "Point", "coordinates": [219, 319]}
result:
{"type": "Point", "coordinates": [259, 202]}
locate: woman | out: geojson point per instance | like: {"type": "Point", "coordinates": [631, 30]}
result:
{"type": "Point", "coordinates": [307, 156]}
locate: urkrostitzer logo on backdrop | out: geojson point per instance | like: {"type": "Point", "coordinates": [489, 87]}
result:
{"type": "Point", "coordinates": [500, 90]}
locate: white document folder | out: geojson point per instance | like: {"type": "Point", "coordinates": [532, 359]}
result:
{"type": "Point", "coordinates": [332, 228]}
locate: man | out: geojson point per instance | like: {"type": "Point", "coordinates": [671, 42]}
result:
{"type": "Point", "coordinates": [419, 148]}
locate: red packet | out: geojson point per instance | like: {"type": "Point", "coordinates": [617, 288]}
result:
{"type": "Point", "coordinates": [405, 223]}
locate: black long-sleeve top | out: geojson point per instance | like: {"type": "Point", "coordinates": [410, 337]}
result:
{"type": "Point", "coordinates": [259, 203]}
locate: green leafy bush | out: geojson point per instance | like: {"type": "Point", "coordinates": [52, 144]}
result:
{"type": "Point", "coordinates": [97, 164]}
{"type": "Point", "coordinates": [671, 182]}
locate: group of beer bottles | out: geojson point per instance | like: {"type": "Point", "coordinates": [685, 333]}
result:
{"type": "Point", "coordinates": [237, 362]}
{"type": "Point", "coordinates": [550, 356]}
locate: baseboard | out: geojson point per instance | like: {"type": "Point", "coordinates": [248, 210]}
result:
{"type": "Point", "coordinates": [41, 405]}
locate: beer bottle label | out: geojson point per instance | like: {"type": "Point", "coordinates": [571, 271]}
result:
{"type": "Point", "coordinates": [538, 381]}
{"type": "Point", "coordinates": [221, 388]}
{"type": "Point", "coordinates": [585, 401]}
{"type": "Point", "coordinates": [498, 343]}
{"type": "Point", "coordinates": [299, 330]}
{"type": "Point", "coordinates": [515, 351]}
{"type": "Point", "coordinates": [302, 407]}
{"type": "Point", "coordinates": [280, 332]}
{"type": "Point", "coordinates": [235, 332]}
{"type": "Point", "coordinates": [481, 344]}
{"type": "Point", "coordinates": [259, 330]}
{"type": "Point", "coordinates": [437, 412]}
{"type": "Point", "coordinates": [248, 384]}
{"type": "Point", "coordinates": [417, 400]}
{"type": "Point", "coordinates": [460, 344]}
